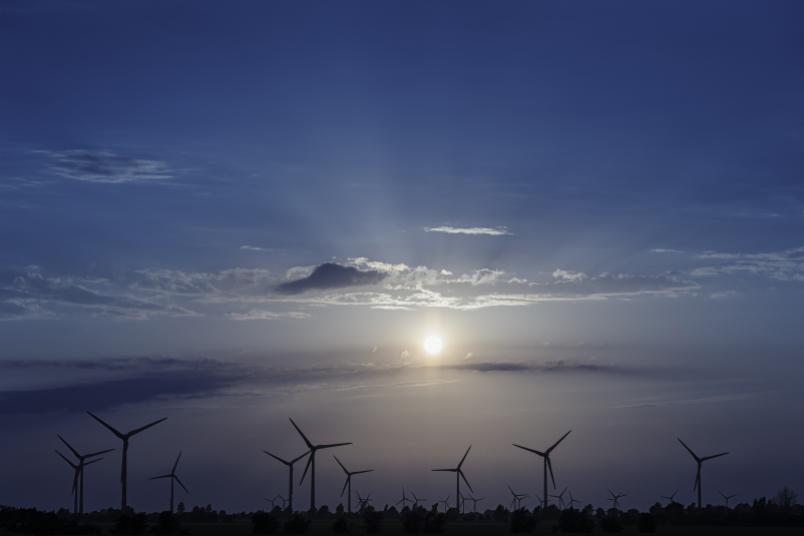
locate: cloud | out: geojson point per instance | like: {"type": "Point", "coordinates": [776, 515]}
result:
{"type": "Point", "coordinates": [542, 367]}
{"type": "Point", "coordinates": [662, 251]}
{"type": "Point", "coordinates": [331, 275]}
{"type": "Point", "coordinates": [566, 275]}
{"type": "Point", "coordinates": [256, 314]}
{"type": "Point", "coordinates": [784, 265]}
{"type": "Point", "coordinates": [34, 293]}
{"type": "Point", "coordinates": [106, 167]}
{"type": "Point", "coordinates": [475, 231]}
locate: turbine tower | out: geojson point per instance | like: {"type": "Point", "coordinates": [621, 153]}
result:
{"type": "Point", "coordinates": [348, 483]}
{"type": "Point", "coordinates": [615, 499]}
{"type": "Point", "coordinates": [289, 464]}
{"type": "Point", "coordinates": [173, 479]}
{"type": "Point", "coordinates": [458, 476]}
{"type": "Point", "coordinates": [311, 460]}
{"type": "Point", "coordinates": [124, 437]}
{"type": "Point", "coordinates": [699, 462]}
{"type": "Point", "coordinates": [82, 462]}
{"type": "Point", "coordinates": [548, 465]}
{"type": "Point", "coordinates": [78, 471]}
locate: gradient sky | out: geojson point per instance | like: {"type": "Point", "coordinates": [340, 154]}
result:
{"type": "Point", "coordinates": [232, 214]}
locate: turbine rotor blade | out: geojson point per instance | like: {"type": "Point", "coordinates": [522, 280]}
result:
{"type": "Point", "coordinates": [63, 457]}
{"type": "Point", "coordinates": [464, 456]}
{"type": "Point", "coordinates": [550, 468]}
{"type": "Point", "coordinates": [697, 459]}
{"type": "Point", "coordinates": [75, 452]}
{"type": "Point", "coordinates": [534, 451]}
{"type": "Point", "coordinates": [306, 467]}
{"type": "Point", "coordinates": [297, 458]}
{"type": "Point", "coordinates": [705, 458]}
{"type": "Point", "coordinates": [464, 479]}
{"type": "Point", "coordinates": [342, 466]}
{"type": "Point", "coordinates": [274, 456]}
{"type": "Point", "coordinates": [176, 464]}
{"type": "Point", "coordinates": [143, 428]}
{"type": "Point", "coordinates": [445, 470]}
{"type": "Point", "coordinates": [304, 437]}
{"type": "Point", "coordinates": [182, 485]}
{"type": "Point", "coordinates": [90, 462]}
{"type": "Point", "coordinates": [93, 454]}
{"type": "Point", "coordinates": [363, 471]}
{"type": "Point", "coordinates": [107, 425]}
{"type": "Point", "coordinates": [557, 442]}
{"type": "Point", "coordinates": [345, 484]}
{"type": "Point", "coordinates": [332, 445]}
{"type": "Point", "coordinates": [160, 476]}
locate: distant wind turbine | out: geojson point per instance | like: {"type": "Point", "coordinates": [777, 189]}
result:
{"type": "Point", "coordinates": [124, 437]}
{"type": "Point", "coordinates": [416, 500]}
{"type": "Point", "coordinates": [726, 498]}
{"type": "Point", "coordinates": [82, 462]}
{"type": "Point", "coordinates": [699, 462]}
{"type": "Point", "coordinates": [475, 500]}
{"type": "Point", "coordinates": [561, 503]}
{"type": "Point", "coordinates": [363, 502]}
{"type": "Point", "coordinates": [516, 502]}
{"type": "Point", "coordinates": [458, 476]}
{"type": "Point", "coordinates": [348, 483]}
{"type": "Point", "coordinates": [615, 499]}
{"type": "Point", "coordinates": [404, 500]}
{"type": "Point", "coordinates": [572, 500]}
{"type": "Point", "coordinates": [444, 501]}
{"type": "Point", "coordinates": [78, 470]}
{"type": "Point", "coordinates": [548, 465]}
{"type": "Point", "coordinates": [671, 498]}
{"type": "Point", "coordinates": [311, 460]}
{"type": "Point", "coordinates": [174, 478]}
{"type": "Point", "coordinates": [289, 464]}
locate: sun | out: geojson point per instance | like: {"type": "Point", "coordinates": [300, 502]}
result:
{"type": "Point", "coordinates": [433, 345]}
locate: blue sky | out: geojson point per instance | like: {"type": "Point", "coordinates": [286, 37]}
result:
{"type": "Point", "coordinates": [582, 199]}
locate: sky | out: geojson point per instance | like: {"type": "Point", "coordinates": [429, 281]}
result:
{"type": "Point", "coordinates": [231, 214]}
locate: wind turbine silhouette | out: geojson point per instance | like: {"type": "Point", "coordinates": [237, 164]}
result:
{"type": "Point", "coordinates": [443, 501]}
{"type": "Point", "coordinates": [548, 465]}
{"type": "Point", "coordinates": [362, 502]}
{"type": "Point", "coordinates": [615, 499]}
{"type": "Point", "coordinates": [671, 497]}
{"type": "Point", "coordinates": [573, 500]}
{"type": "Point", "coordinates": [173, 479]}
{"type": "Point", "coordinates": [404, 500]}
{"type": "Point", "coordinates": [78, 470]}
{"type": "Point", "coordinates": [560, 497]}
{"type": "Point", "coordinates": [475, 500]}
{"type": "Point", "coordinates": [699, 462]}
{"type": "Point", "coordinates": [726, 498]}
{"type": "Point", "coordinates": [82, 462]}
{"type": "Point", "coordinates": [281, 498]}
{"type": "Point", "coordinates": [416, 500]}
{"type": "Point", "coordinates": [289, 464]}
{"type": "Point", "coordinates": [348, 483]}
{"type": "Point", "coordinates": [516, 502]}
{"type": "Point", "coordinates": [458, 476]}
{"type": "Point", "coordinates": [124, 437]}
{"type": "Point", "coordinates": [311, 460]}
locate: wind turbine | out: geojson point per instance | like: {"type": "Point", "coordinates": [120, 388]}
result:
{"type": "Point", "coordinates": [78, 470]}
{"type": "Point", "coordinates": [548, 465]}
{"type": "Point", "coordinates": [363, 502]}
{"type": "Point", "coordinates": [726, 498]}
{"type": "Point", "coordinates": [289, 464]}
{"type": "Point", "coordinates": [699, 462]}
{"type": "Point", "coordinates": [124, 437]}
{"type": "Point", "coordinates": [416, 500]}
{"type": "Point", "coordinates": [615, 499]}
{"type": "Point", "coordinates": [444, 501]}
{"type": "Point", "coordinates": [671, 497]}
{"type": "Point", "coordinates": [560, 497]}
{"type": "Point", "coordinates": [271, 501]}
{"type": "Point", "coordinates": [173, 479]}
{"type": "Point", "coordinates": [404, 500]}
{"type": "Point", "coordinates": [281, 498]}
{"type": "Point", "coordinates": [573, 500]}
{"type": "Point", "coordinates": [458, 476]}
{"type": "Point", "coordinates": [82, 462]}
{"type": "Point", "coordinates": [475, 500]}
{"type": "Point", "coordinates": [516, 502]}
{"type": "Point", "coordinates": [348, 483]}
{"type": "Point", "coordinates": [311, 460]}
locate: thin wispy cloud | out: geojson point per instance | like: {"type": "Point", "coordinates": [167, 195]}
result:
{"type": "Point", "coordinates": [106, 167]}
{"type": "Point", "coordinates": [783, 265]}
{"type": "Point", "coordinates": [473, 231]}
{"type": "Point", "coordinates": [258, 314]}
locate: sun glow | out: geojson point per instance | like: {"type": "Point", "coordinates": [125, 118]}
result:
{"type": "Point", "coordinates": [433, 345]}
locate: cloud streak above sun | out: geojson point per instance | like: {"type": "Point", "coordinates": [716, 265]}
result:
{"type": "Point", "coordinates": [472, 231]}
